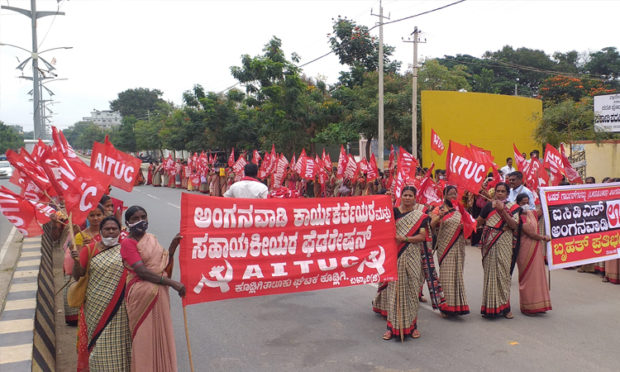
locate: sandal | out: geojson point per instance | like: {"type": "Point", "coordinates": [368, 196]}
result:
{"type": "Point", "coordinates": [422, 299]}
{"type": "Point", "coordinates": [605, 279]}
{"type": "Point", "coordinates": [387, 335]}
{"type": "Point", "coordinates": [415, 334]}
{"type": "Point", "coordinates": [509, 315]}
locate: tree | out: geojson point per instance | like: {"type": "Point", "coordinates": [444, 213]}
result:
{"type": "Point", "coordinates": [434, 76]}
{"type": "Point", "coordinates": [9, 138]}
{"type": "Point", "coordinates": [137, 102]}
{"type": "Point", "coordinates": [556, 89]}
{"type": "Point", "coordinates": [355, 47]}
{"type": "Point", "coordinates": [82, 134]}
{"type": "Point", "coordinates": [123, 136]}
{"type": "Point", "coordinates": [569, 121]}
{"type": "Point", "coordinates": [606, 64]}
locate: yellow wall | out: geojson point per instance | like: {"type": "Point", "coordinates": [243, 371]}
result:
{"type": "Point", "coordinates": [490, 121]}
{"type": "Point", "coordinates": [602, 160]}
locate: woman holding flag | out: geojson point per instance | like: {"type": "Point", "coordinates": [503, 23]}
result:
{"type": "Point", "coordinates": [399, 300]}
{"type": "Point", "coordinates": [451, 252]}
{"type": "Point", "coordinates": [500, 218]}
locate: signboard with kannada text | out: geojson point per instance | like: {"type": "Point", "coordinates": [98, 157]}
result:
{"type": "Point", "coordinates": [583, 222]}
{"type": "Point", "coordinates": [235, 248]}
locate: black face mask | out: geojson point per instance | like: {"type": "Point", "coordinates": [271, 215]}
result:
{"type": "Point", "coordinates": [139, 227]}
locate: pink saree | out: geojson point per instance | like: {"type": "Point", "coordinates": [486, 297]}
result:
{"type": "Point", "coordinates": [148, 310]}
{"type": "Point", "coordinates": [533, 288]}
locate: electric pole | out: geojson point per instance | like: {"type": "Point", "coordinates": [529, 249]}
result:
{"type": "Point", "coordinates": [33, 14]}
{"type": "Point", "coordinates": [414, 91]}
{"type": "Point", "coordinates": [381, 130]}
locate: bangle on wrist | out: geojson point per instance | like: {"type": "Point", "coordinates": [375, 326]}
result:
{"type": "Point", "coordinates": [161, 279]}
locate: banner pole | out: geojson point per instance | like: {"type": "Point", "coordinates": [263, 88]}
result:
{"type": "Point", "coordinates": [399, 315]}
{"type": "Point", "coordinates": [189, 346]}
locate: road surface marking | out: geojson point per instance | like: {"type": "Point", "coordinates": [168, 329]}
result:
{"type": "Point", "coordinates": [28, 303]}
{"type": "Point", "coordinates": [17, 325]}
{"type": "Point", "coordinates": [152, 196]}
{"type": "Point", "coordinates": [26, 263]}
{"type": "Point", "coordinates": [31, 254]}
{"type": "Point", "coordinates": [173, 205]}
{"type": "Point", "coordinates": [17, 353]}
{"type": "Point", "coordinates": [23, 287]}
{"type": "Point", "coordinates": [5, 246]}
{"type": "Point", "coordinates": [26, 274]}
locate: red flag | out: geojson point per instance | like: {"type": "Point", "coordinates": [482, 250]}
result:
{"type": "Point", "coordinates": [468, 222]}
{"type": "Point", "coordinates": [465, 168]}
{"type": "Point", "coordinates": [264, 166]}
{"type": "Point", "coordinates": [436, 143]}
{"type": "Point", "coordinates": [363, 166]}
{"type": "Point", "coordinates": [351, 168]}
{"type": "Point", "coordinates": [342, 163]}
{"type": "Point", "coordinates": [407, 167]}
{"type": "Point", "coordinates": [519, 159]}
{"type": "Point", "coordinates": [327, 161]}
{"type": "Point", "coordinates": [553, 162]}
{"type": "Point", "coordinates": [373, 171]}
{"type": "Point", "coordinates": [239, 165]}
{"type": "Point", "coordinates": [19, 212]}
{"type": "Point", "coordinates": [427, 193]}
{"type": "Point", "coordinates": [307, 168]}
{"type": "Point", "coordinates": [391, 162]}
{"type": "Point", "coordinates": [29, 173]}
{"type": "Point", "coordinates": [231, 158]}
{"type": "Point", "coordinates": [298, 165]}
{"type": "Point", "coordinates": [120, 168]}
{"type": "Point", "coordinates": [278, 175]}
{"type": "Point", "coordinates": [571, 173]}
{"type": "Point", "coordinates": [255, 157]}
{"type": "Point", "coordinates": [497, 178]}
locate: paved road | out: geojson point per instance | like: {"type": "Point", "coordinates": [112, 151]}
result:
{"type": "Point", "coordinates": [336, 329]}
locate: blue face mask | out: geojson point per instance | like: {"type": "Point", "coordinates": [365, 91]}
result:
{"type": "Point", "coordinates": [138, 227]}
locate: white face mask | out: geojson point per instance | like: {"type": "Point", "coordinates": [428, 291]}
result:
{"type": "Point", "coordinates": [109, 242]}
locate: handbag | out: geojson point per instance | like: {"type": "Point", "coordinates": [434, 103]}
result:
{"type": "Point", "coordinates": [76, 294]}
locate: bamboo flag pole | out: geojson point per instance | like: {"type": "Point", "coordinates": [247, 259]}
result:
{"type": "Point", "coordinates": [189, 346]}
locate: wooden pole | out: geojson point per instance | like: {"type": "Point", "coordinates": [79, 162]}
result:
{"type": "Point", "coordinates": [399, 314]}
{"type": "Point", "coordinates": [189, 346]}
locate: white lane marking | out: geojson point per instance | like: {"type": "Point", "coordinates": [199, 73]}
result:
{"type": "Point", "coordinates": [5, 246]}
{"type": "Point", "coordinates": [152, 196]}
{"type": "Point", "coordinates": [173, 205]}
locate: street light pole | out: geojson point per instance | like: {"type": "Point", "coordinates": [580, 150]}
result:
{"type": "Point", "coordinates": [414, 92]}
{"type": "Point", "coordinates": [39, 126]}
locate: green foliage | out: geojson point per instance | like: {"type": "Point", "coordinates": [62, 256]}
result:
{"type": "Point", "coordinates": [606, 64]}
{"type": "Point", "coordinates": [355, 47]}
{"type": "Point", "coordinates": [82, 134]}
{"type": "Point", "coordinates": [137, 102]}
{"type": "Point", "coordinates": [123, 136]}
{"type": "Point", "coordinates": [9, 138]}
{"type": "Point", "coordinates": [434, 76]}
{"type": "Point", "coordinates": [569, 121]}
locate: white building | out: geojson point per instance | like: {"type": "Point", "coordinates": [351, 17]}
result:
{"type": "Point", "coordinates": [104, 118]}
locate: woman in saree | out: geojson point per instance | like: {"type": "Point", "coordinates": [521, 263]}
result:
{"type": "Point", "coordinates": [451, 254]}
{"type": "Point", "coordinates": [533, 289]}
{"type": "Point", "coordinates": [146, 295]}
{"type": "Point", "coordinates": [157, 171]}
{"type": "Point", "coordinates": [107, 326]}
{"type": "Point", "coordinates": [85, 242]}
{"type": "Point", "coordinates": [612, 271]}
{"type": "Point", "coordinates": [399, 300]}
{"type": "Point", "coordinates": [149, 174]}
{"type": "Point", "coordinates": [500, 219]}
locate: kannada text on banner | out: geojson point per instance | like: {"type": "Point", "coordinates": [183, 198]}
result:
{"type": "Point", "coordinates": [583, 222]}
{"type": "Point", "coordinates": [254, 247]}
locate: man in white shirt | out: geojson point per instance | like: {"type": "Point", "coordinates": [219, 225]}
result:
{"type": "Point", "coordinates": [507, 169]}
{"type": "Point", "coordinates": [515, 180]}
{"type": "Point", "coordinates": [248, 187]}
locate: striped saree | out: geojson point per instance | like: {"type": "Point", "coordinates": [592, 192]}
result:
{"type": "Point", "coordinates": [109, 339]}
{"type": "Point", "coordinates": [451, 253]}
{"type": "Point", "coordinates": [497, 244]}
{"type": "Point", "coordinates": [402, 301]}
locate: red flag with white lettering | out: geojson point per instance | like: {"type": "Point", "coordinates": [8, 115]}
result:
{"type": "Point", "coordinates": [307, 168]}
{"type": "Point", "coordinates": [553, 162]}
{"type": "Point", "coordinates": [255, 157]}
{"type": "Point", "coordinates": [427, 193]}
{"type": "Point", "coordinates": [522, 164]}
{"type": "Point", "coordinates": [373, 171]}
{"type": "Point", "coordinates": [465, 168]}
{"type": "Point", "coordinates": [278, 175]}
{"type": "Point", "coordinates": [436, 143]}
{"type": "Point", "coordinates": [120, 168]}
{"type": "Point", "coordinates": [351, 169]}
{"type": "Point", "coordinates": [407, 167]}
{"type": "Point", "coordinates": [19, 212]}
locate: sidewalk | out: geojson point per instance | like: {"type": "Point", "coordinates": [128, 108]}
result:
{"type": "Point", "coordinates": [19, 268]}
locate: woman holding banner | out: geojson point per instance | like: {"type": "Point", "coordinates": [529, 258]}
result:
{"type": "Point", "coordinates": [399, 300]}
{"type": "Point", "coordinates": [533, 289]}
{"type": "Point", "coordinates": [451, 253]}
{"type": "Point", "coordinates": [500, 219]}
{"type": "Point", "coordinates": [146, 293]}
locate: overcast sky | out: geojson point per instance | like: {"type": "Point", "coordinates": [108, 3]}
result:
{"type": "Point", "coordinates": [172, 45]}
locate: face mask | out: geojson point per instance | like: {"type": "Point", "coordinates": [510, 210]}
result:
{"type": "Point", "coordinates": [138, 227]}
{"type": "Point", "coordinates": [525, 207]}
{"type": "Point", "coordinates": [109, 242]}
